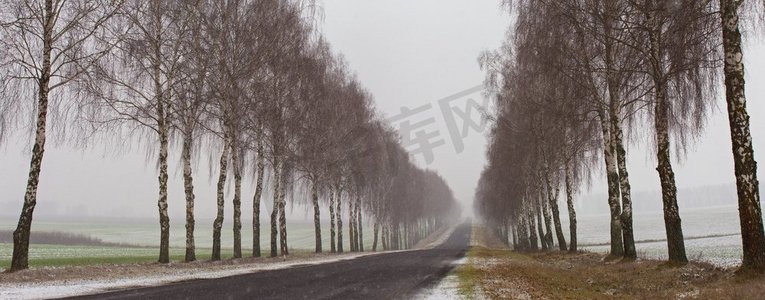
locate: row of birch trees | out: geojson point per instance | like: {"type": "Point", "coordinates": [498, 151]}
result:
{"type": "Point", "coordinates": [574, 76]}
{"type": "Point", "coordinates": [252, 83]}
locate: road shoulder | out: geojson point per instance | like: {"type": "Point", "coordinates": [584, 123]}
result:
{"type": "Point", "coordinates": [500, 273]}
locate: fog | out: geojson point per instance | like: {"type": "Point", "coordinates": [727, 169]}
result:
{"type": "Point", "coordinates": [409, 54]}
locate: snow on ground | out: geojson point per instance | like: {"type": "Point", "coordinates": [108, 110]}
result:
{"type": "Point", "coordinates": [447, 289]}
{"type": "Point", "coordinates": [67, 288]}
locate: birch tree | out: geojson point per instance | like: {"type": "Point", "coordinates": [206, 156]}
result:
{"type": "Point", "coordinates": [681, 60]}
{"type": "Point", "coordinates": [234, 48]}
{"type": "Point", "coordinates": [745, 166]}
{"type": "Point", "coordinates": [135, 88]}
{"type": "Point", "coordinates": [189, 105]}
{"type": "Point", "coordinates": [48, 45]}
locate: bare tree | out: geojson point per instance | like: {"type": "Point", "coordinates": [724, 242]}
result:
{"type": "Point", "coordinates": [676, 40]}
{"type": "Point", "coordinates": [189, 105]}
{"type": "Point", "coordinates": [137, 86]}
{"type": "Point", "coordinates": [46, 48]}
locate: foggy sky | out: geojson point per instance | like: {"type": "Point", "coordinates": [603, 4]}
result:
{"type": "Point", "coordinates": [408, 54]}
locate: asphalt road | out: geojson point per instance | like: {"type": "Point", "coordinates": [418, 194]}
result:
{"type": "Point", "coordinates": [397, 275]}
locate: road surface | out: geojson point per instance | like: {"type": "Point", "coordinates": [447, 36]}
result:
{"type": "Point", "coordinates": [394, 275]}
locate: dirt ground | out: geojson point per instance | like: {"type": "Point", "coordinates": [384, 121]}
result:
{"type": "Point", "coordinates": [500, 273]}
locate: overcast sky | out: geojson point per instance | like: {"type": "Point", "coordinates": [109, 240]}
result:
{"type": "Point", "coordinates": [409, 54]}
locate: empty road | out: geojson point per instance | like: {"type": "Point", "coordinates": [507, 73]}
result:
{"type": "Point", "coordinates": [385, 276]}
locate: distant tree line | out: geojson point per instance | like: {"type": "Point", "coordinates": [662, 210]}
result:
{"type": "Point", "coordinates": [574, 76]}
{"type": "Point", "coordinates": [252, 82]}
{"type": "Point", "coordinates": [63, 238]}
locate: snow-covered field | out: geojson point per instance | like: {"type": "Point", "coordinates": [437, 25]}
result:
{"type": "Point", "coordinates": [712, 234]}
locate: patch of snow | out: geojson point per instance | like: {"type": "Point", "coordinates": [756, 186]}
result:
{"type": "Point", "coordinates": [446, 289]}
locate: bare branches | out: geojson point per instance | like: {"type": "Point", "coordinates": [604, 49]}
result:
{"type": "Point", "coordinates": [577, 76]}
{"type": "Point", "coordinates": [253, 77]}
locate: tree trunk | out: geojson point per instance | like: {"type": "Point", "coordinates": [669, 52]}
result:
{"type": "Point", "coordinates": [747, 185]}
{"type": "Point", "coordinates": [316, 219]}
{"type": "Point", "coordinates": [515, 237]}
{"type": "Point", "coordinates": [351, 224]}
{"type": "Point", "coordinates": [572, 247]}
{"type": "Point", "coordinates": [532, 234]}
{"type": "Point", "coordinates": [407, 237]}
{"type": "Point", "coordinates": [617, 246]}
{"type": "Point", "coordinates": [384, 237]}
{"type": "Point", "coordinates": [675, 243]}
{"type": "Point", "coordinates": [544, 206]}
{"type": "Point", "coordinates": [332, 220]}
{"type": "Point", "coordinates": [237, 202]}
{"type": "Point", "coordinates": [357, 226]}
{"type": "Point", "coordinates": [360, 227]}
{"type": "Point", "coordinates": [624, 183]}
{"type": "Point", "coordinates": [617, 150]}
{"type": "Point", "coordinates": [188, 188]}
{"type": "Point", "coordinates": [630, 253]}
{"type": "Point", "coordinates": [20, 259]}
{"type": "Point", "coordinates": [387, 244]}
{"type": "Point", "coordinates": [339, 214]}
{"type": "Point", "coordinates": [261, 165]}
{"type": "Point", "coordinates": [542, 236]}
{"type": "Point", "coordinates": [375, 235]}
{"type": "Point", "coordinates": [400, 237]}
{"type": "Point", "coordinates": [530, 219]}
{"type": "Point", "coordinates": [404, 234]}
{"type": "Point", "coordinates": [518, 236]}
{"type": "Point", "coordinates": [282, 216]}
{"type": "Point", "coordinates": [391, 237]}
{"type": "Point", "coordinates": [164, 219]}
{"type": "Point", "coordinates": [275, 209]}
{"type": "Point", "coordinates": [507, 232]}
{"type": "Point", "coordinates": [218, 224]}
{"type": "Point", "coordinates": [523, 242]}
{"type": "Point", "coordinates": [556, 218]}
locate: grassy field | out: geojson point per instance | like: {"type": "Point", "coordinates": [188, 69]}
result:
{"type": "Point", "coordinates": [146, 238]}
{"type": "Point", "coordinates": [60, 255]}
{"type": "Point", "coordinates": [42, 255]}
